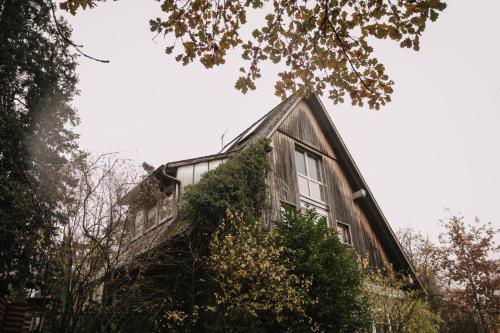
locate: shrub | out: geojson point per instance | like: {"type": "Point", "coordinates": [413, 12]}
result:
{"type": "Point", "coordinates": [337, 283]}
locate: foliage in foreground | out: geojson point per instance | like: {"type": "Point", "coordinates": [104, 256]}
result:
{"type": "Point", "coordinates": [296, 277]}
{"type": "Point", "coordinates": [396, 308]}
{"type": "Point", "coordinates": [237, 185]}
{"type": "Point", "coordinates": [322, 44]}
{"type": "Point", "coordinates": [183, 263]}
{"type": "Point", "coordinates": [255, 284]}
{"type": "Point", "coordinates": [467, 267]}
{"type": "Point", "coordinates": [253, 287]}
{"type": "Point", "coordinates": [337, 283]}
{"type": "Point", "coordinates": [37, 85]}
{"type": "Point", "coordinates": [459, 274]}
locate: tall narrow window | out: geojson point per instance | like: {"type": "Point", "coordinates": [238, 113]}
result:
{"type": "Point", "coordinates": [165, 209]}
{"type": "Point", "coordinates": [138, 223]}
{"type": "Point", "coordinates": [310, 175]}
{"type": "Point", "coordinates": [149, 218]}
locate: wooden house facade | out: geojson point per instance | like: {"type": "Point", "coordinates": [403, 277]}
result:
{"type": "Point", "coordinates": [310, 168]}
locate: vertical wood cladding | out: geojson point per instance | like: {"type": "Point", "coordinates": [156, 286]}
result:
{"type": "Point", "coordinates": [283, 176]}
{"type": "Point", "coordinates": [301, 127]}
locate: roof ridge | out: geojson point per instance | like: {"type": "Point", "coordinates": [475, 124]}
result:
{"type": "Point", "coordinates": [266, 123]}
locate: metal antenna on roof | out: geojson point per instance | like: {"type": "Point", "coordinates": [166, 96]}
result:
{"type": "Point", "coordinates": [222, 138]}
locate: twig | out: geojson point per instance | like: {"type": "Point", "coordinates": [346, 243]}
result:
{"type": "Point", "coordinates": [69, 41]}
{"type": "Point", "coordinates": [344, 51]}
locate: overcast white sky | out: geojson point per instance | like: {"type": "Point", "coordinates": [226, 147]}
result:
{"type": "Point", "coordinates": [436, 145]}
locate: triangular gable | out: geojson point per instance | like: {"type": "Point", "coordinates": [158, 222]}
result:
{"type": "Point", "coordinates": [279, 118]}
{"type": "Point", "coordinates": [369, 204]}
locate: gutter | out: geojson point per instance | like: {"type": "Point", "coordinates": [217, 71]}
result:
{"type": "Point", "coordinates": [178, 183]}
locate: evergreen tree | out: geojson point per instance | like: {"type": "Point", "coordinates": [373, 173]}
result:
{"type": "Point", "coordinates": [37, 84]}
{"type": "Point", "coordinates": [337, 282]}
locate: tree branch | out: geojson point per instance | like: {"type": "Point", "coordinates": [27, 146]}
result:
{"type": "Point", "coordinates": [69, 41]}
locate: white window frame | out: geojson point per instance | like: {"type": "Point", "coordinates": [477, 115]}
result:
{"type": "Point", "coordinates": [348, 229]}
{"type": "Point", "coordinates": [320, 209]}
{"type": "Point", "coordinates": [307, 154]}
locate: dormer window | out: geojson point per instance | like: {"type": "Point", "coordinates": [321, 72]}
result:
{"type": "Point", "coordinates": [310, 175]}
{"type": "Point", "coordinates": [143, 220]}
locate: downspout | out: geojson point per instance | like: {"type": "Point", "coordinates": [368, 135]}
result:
{"type": "Point", "coordinates": [178, 184]}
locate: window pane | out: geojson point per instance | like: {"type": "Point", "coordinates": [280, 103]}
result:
{"type": "Point", "coordinates": [313, 168]}
{"type": "Point", "coordinates": [316, 191]}
{"type": "Point", "coordinates": [150, 218]}
{"type": "Point", "coordinates": [321, 213]}
{"type": "Point", "coordinates": [166, 206]}
{"type": "Point", "coordinates": [199, 170]}
{"type": "Point", "coordinates": [300, 162]}
{"type": "Point", "coordinates": [286, 208]}
{"type": "Point", "coordinates": [340, 231]}
{"type": "Point", "coordinates": [303, 187]}
{"type": "Point", "coordinates": [344, 234]}
{"type": "Point", "coordinates": [214, 164]}
{"type": "Point", "coordinates": [139, 220]}
{"type": "Point", "coordinates": [348, 236]}
{"type": "Point", "coordinates": [185, 174]}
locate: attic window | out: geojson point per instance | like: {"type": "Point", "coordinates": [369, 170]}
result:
{"type": "Point", "coordinates": [310, 175]}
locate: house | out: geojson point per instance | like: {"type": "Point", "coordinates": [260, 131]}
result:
{"type": "Point", "coordinates": [310, 168]}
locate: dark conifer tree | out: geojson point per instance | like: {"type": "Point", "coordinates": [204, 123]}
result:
{"type": "Point", "coordinates": [37, 85]}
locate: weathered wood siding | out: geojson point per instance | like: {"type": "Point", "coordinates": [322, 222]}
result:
{"type": "Point", "coordinates": [301, 127]}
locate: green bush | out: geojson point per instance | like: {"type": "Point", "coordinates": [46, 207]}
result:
{"type": "Point", "coordinates": [397, 308]}
{"type": "Point", "coordinates": [238, 185]}
{"type": "Point", "coordinates": [253, 288]}
{"type": "Point", "coordinates": [337, 283]}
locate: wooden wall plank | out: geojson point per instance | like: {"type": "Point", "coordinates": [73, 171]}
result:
{"type": "Point", "coordinates": [283, 175]}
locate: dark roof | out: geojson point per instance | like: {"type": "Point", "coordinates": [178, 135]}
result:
{"type": "Point", "coordinates": [176, 164]}
{"type": "Point", "coordinates": [265, 126]}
